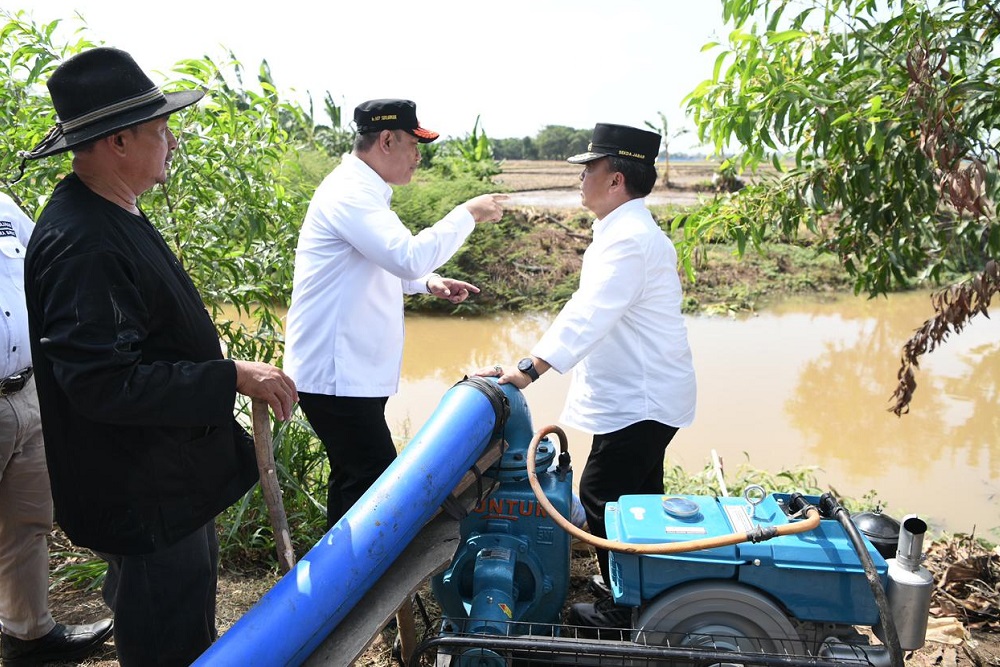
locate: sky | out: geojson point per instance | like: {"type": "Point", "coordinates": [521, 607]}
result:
{"type": "Point", "coordinates": [518, 65]}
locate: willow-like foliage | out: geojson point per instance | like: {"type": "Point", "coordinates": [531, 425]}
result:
{"type": "Point", "coordinates": [876, 120]}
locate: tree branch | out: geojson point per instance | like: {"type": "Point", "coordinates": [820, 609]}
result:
{"type": "Point", "coordinates": [569, 232]}
{"type": "Point", "coordinates": [954, 306]}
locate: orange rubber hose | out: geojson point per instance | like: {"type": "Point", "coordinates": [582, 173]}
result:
{"type": "Point", "coordinates": [809, 523]}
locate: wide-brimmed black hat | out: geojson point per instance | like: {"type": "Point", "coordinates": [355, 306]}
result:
{"type": "Point", "coordinates": [99, 92]}
{"type": "Point", "coordinates": [378, 115]}
{"type": "Point", "coordinates": [620, 141]}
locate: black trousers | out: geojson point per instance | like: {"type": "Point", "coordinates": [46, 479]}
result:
{"type": "Point", "coordinates": [357, 441]}
{"type": "Point", "coordinates": [627, 461]}
{"type": "Point", "coordinates": [164, 602]}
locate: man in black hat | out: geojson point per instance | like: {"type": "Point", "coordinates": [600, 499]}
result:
{"type": "Point", "coordinates": [136, 397]}
{"type": "Point", "coordinates": [354, 262]}
{"type": "Point", "coordinates": [623, 336]}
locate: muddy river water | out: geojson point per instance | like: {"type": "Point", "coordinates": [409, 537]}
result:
{"type": "Point", "coordinates": [804, 383]}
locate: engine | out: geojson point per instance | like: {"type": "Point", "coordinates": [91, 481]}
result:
{"type": "Point", "coordinates": [797, 594]}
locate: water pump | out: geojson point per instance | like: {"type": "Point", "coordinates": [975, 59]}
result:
{"type": "Point", "coordinates": [764, 578]}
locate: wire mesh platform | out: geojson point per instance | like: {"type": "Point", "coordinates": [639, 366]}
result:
{"type": "Point", "coordinates": [544, 644]}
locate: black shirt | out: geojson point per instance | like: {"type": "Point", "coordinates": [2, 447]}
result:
{"type": "Point", "coordinates": [135, 395]}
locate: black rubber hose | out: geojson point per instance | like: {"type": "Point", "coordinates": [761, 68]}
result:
{"type": "Point", "coordinates": [831, 506]}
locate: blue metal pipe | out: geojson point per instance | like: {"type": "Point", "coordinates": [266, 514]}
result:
{"type": "Point", "coordinates": [292, 619]}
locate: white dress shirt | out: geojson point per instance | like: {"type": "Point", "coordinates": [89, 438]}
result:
{"type": "Point", "coordinates": [15, 345]}
{"type": "Point", "coordinates": [622, 332]}
{"type": "Point", "coordinates": [354, 261]}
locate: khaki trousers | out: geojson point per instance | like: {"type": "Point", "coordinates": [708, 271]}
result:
{"type": "Point", "coordinates": [25, 518]}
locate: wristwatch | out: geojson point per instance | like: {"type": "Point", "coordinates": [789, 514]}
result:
{"type": "Point", "coordinates": [527, 366]}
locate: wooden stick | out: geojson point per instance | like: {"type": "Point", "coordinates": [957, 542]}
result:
{"type": "Point", "coordinates": [264, 447]}
{"type": "Point", "coordinates": [406, 626]}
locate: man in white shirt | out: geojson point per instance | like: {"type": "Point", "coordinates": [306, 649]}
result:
{"type": "Point", "coordinates": [354, 262]}
{"type": "Point", "coordinates": [29, 635]}
{"type": "Point", "coordinates": [623, 336]}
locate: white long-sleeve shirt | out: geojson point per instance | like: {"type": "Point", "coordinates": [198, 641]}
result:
{"type": "Point", "coordinates": [15, 344]}
{"type": "Point", "coordinates": [622, 332]}
{"type": "Point", "coordinates": [354, 262]}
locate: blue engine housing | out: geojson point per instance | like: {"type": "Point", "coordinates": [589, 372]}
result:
{"type": "Point", "coordinates": [815, 576]}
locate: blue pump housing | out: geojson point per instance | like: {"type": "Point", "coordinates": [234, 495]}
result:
{"type": "Point", "coordinates": [511, 566]}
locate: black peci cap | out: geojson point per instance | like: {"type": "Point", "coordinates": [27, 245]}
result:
{"type": "Point", "coordinates": [620, 141]}
{"type": "Point", "coordinates": [378, 115]}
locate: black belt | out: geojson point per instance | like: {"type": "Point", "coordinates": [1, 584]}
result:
{"type": "Point", "coordinates": [15, 383]}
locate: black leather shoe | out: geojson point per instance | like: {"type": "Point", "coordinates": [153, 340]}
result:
{"type": "Point", "coordinates": [602, 619]}
{"type": "Point", "coordinates": [63, 643]}
{"type": "Point", "coordinates": [598, 588]}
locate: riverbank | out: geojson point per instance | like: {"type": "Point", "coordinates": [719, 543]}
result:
{"type": "Point", "coordinates": [531, 259]}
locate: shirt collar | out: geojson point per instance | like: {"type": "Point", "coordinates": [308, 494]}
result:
{"type": "Point", "coordinates": [367, 174]}
{"type": "Point", "coordinates": [630, 205]}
